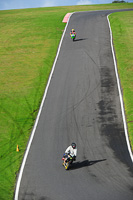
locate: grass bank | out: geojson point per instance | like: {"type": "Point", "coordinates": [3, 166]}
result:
{"type": "Point", "coordinates": [29, 39]}
{"type": "Point", "coordinates": [122, 29]}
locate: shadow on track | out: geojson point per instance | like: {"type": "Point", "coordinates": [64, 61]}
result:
{"type": "Point", "coordinates": [84, 163]}
{"type": "Point", "coordinates": [76, 40]}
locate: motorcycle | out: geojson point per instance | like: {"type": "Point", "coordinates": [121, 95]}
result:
{"type": "Point", "coordinates": [68, 161]}
{"type": "Point", "coordinates": [73, 36]}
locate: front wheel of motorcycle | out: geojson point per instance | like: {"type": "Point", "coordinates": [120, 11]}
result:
{"type": "Point", "coordinates": [67, 166]}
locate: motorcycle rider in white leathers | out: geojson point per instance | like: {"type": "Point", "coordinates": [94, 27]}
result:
{"type": "Point", "coordinates": [72, 151]}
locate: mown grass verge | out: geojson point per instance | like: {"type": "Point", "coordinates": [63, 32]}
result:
{"type": "Point", "coordinates": [29, 39]}
{"type": "Point", "coordinates": [122, 29]}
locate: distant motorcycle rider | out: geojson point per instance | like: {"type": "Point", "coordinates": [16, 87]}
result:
{"type": "Point", "coordinates": [72, 151]}
{"type": "Point", "coordinates": [73, 32]}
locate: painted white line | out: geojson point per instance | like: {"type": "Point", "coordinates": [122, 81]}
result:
{"type": "Point", "coordinates": [120, 94]}
{"type": "Point", "coordinates": [37, 119]}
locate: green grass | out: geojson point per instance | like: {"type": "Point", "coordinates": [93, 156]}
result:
{"type": "Point", "coordinates": [122, 29]}
{"type": "Point", "coordinates": [29, 40]}
{"type": "Point", "coordinates": [28, 43]}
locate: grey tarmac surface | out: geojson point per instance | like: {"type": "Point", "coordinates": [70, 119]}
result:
{"type": "Point", "coordinates": [82, 106]}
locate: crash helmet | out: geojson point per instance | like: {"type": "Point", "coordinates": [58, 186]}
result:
{"type": "Point", "coordinates": [73, 145]}
{"type": "Point", "coordinates": [73, 30]}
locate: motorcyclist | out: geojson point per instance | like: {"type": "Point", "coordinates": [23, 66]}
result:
{"type": "Point", "coordinates": [72, 32]}
{"type": "Point", "coordinates": [72, 151]}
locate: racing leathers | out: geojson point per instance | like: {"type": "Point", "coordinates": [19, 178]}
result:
{"type": "Point", "coordinates": [72, 152]}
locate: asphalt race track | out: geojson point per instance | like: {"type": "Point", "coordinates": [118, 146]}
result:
{"type": "Point", "coordinates": [82, 105]}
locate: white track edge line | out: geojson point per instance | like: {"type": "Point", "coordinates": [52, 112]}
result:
{"type": "Point", "coordinates": [120, 94]}
{"type": "Point", "coordinates": [37, 119]}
